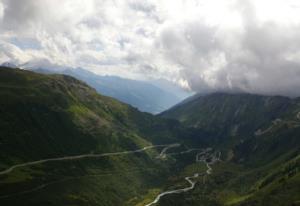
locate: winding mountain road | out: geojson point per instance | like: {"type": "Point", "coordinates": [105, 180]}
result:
{"type": "Point", "coordinates": [202, 156]}
{"type": "Point", "coordinates": [42, 186]}
{"type": "Point", "coordinates": [192, 185]}
{"type": "Point", "coordinates": [76, 157]}
{"type": "Point", "coordinates": [163, 152]}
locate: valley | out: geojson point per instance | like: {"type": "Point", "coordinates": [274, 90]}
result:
{"type": "Point", "coordinates": [203, 156]}
{"type": "Point", "coordinates": [62, 143]}
{"type": "Point", "coordinates": [206, 156]}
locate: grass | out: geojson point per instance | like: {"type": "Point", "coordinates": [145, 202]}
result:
{"type": "Point", "coordinates": [146, 199]}
{"type": "Point", "coordinates": [46, 116]}
{"type": "Point", "coordinates": [235, 199]}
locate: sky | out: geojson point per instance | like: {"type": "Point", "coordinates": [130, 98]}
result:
{"type": "Point", "coordinates": [203, 45]}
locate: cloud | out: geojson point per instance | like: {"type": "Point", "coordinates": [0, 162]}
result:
{"type": "Point", "coordinates": [253, 56]}
{"type": "Point", "coordinates": [9, 52]}
{"type": "Point", "coordinates": [206, 45]}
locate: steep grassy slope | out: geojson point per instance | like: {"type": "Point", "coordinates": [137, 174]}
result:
{"type": "Point", "coordinates": [50, 116]}
{"type": "Point", "coordinates": [54, 115]}
{"type": "Point", "coordinates": [248, 123]}
{"type": "Point", "coordinates": [259, 136]}
{"type": "Point", "coordinates": [230, 113]}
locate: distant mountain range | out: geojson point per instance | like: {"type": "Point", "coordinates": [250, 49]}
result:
{"type": "Point", "coordinates": [148, 96]}
{"type": "Point", "coordinates": [140, 94]}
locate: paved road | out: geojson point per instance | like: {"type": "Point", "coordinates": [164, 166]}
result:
{"type": "Point", "coordinates": [40, 187]}
{"type": "Point", "coordinates": [192, 185]}
{"type": "Point", "coordinates": [202, 156]}
{"type": "Point", "coordinates": [163, 152]}
{"type": "Point", "coordinates": [81, 157]}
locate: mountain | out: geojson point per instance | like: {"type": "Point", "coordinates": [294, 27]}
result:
{"type": "Point", "coordinates": [57, 116]}
{"type": "Point", "coordinates": [62, 143]}
{"type": "Point", "coordinates": [259, 136]}
{"type": "Point", "coordinates": [139, 94]}
{"type": "Point", "coordinates": [242, 121]}
{"type": "Point", "coordinates": [230, 113]}
{"type": "Point", "coordinates": [8, 64]}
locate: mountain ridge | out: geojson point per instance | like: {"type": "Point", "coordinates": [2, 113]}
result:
{"type": "Point", "coordinates": [69, 145]}
{"type": "Point", "coordinates": [57, 116]}
{"type": "Point", "coordinates": [134, 92]}
{"type": "Point", "coordinates": [259, 137]}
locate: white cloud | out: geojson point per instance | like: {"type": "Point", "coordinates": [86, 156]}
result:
{"type": "Point", "coordinates": [206, 45]}
{"type": "Point", "coordinates": [1, 11]}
